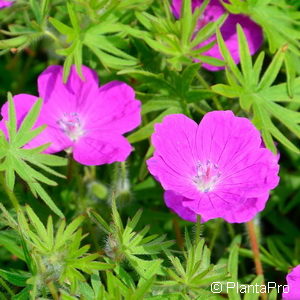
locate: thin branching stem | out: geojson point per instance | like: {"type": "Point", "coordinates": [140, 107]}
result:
{"type": "Point", "coordinates": [207, 86]}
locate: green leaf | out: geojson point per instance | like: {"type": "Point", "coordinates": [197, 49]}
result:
{"type": "Point", "coordinates": [61, 27]}
{"type": "Point", "coordinates": [245, 56]}
{"type": "Point", "coordinates": [23, 295]}
{"type": "Point", "coordinates": [12, 119]}
{"type": "Point", "coordinates": [233, 270]}
{"type": "Point", "coordinates": [16, 160]}
{"type": "Point", "coordinates": [273, 294]}
{"type": "Point", "coordinates": [272, 71]}
{"type": "Point", "coordinates": [227, 56]}
{"type": "Point", "coordinates": [186, 24]}
{"type": "Point", "coordinates": [146, 131]}
{"type": "Point", "coordinates": [157, 105]}
{"type": "Point", "coordinates": [16, 278]}
{"type": "Point", "coordinates": [9, 242]}
{"type": "Point", "coordinates": [226, 90]}
{"type": "Point", "coordinates": [252, 294]}
{"type": "Point", "coordinates": [98, 219]}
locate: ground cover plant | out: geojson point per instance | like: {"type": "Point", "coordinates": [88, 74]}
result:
{"type": "Point", "coordinates": [149, 149]}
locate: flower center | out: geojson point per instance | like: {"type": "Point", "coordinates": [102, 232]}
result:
{"type": "Point", "coordinates": [207, 177]}
{"type": "Point", "coordinates": [71, 125]}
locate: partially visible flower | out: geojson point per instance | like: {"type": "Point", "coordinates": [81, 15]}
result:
{"type": "Point", "coordinates": [217, 169]}
{"type": "Point", "coordinates": [4, 4]}
{"type": "Point", "coordinates": [228, 30]}
{"type": "Point", "coordinates": [292, 292]}
{"type": "Point", "coordinates": [82, 117]}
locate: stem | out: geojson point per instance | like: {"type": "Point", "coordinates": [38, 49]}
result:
{"type": "Point", "coordinates": [12, 197]}
{"type": "Point", "coordinates": [179, 238]}
{"type": "Point", "coordinates": [185, 107]}
{"type": "Point", "coordinates": [198, 229]}
{"type": "Point", "coordinates": [255, 249]}
{"type": "Point", "coordinates": [207, 86]}
{"type": "Point", "coordinates": [70, 167]}
{"type": "Point", "coordinates": [53, 290]}
{"type": "Point", "coordinates": [198, 109]}
{"type": "Point", "coordinates": [230, 230]}
{"type": "Point", "coordinates": [53, 37]}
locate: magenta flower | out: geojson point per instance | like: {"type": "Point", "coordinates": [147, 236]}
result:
{"type": "Point", "coordinates": [81, 117]}
{"type": "Point", "coordinates": [212, 12]}
{"type": "Point", "coordinates": [217, 169]}
{"type": "Point", "coordinates": [4, 4]}
{"type": "Point", "coordinates": [292, 292]}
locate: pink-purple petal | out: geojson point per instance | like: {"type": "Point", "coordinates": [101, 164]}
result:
{"type": "Point", "coordinates": [73, 93]}
{"type": "Point", "coordinates": [4, 4]}
{"type": "Point", "coordinates": [53, 135]}
{"type": "Point", "coordinates": [217, 169]}
{"type": "Point", "coordinates": [115, 110]}
{"type": "Point", "coordinates": [228, 30]}
{"type": "Point", "coordinates": [173, 163]}
{"type": "Point", "coordinates": [174, 202]}
{"type": "Point", "coordinates": [292, 292]}
{"type": "Point", "coordinates": [103, 148]}
{"type": "Point", "coordinates": [233, 208]}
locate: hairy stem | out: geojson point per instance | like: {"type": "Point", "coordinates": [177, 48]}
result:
{"type": "Point", "coordinates": [198, 229]}
{"type": "Point", "coordinates": [255, 249]}
{"type": "Point", "coordinates": [70, 167]}
{"type": "Point", "coordinates": [179, 238]}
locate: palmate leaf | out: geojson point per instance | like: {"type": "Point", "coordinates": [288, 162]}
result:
{"type": "Point", "coordinates": [179, 39]}
{"type": "Point", "coordinates": [56, 252]}
{"type": "Point", "coordinates": [258, 95]}
{"type": "Point", "coordinates": [17, 160]}
{"type": "Point", "coordinates": [195, 272]}
{"type": "Point", "coordinates": [98, 39]}
{"type": "Point", "coordinates": [125, 243]}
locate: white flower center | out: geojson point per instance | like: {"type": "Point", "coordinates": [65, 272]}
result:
{"type": "Point", "coordinates": [71, 125]}
{"type": "Point", "coordinates": [207, 177]}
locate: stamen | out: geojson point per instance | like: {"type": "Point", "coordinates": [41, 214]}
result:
{"type": "Point", "coordinates": [71, 125]}
{"type": "Point", "coordinates": [207, 176]}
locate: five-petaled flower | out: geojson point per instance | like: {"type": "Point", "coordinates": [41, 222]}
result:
{"type": "Point", "coordinates": [228, 30]}
{"type": "Point", "coordinates": [4, 3]}
{"type": "Point", "coordinates": [292, 292]}
{"type": "Point", "coordinates": [217, 169]}
{"type": "Point", "coordinates": [81, 117]}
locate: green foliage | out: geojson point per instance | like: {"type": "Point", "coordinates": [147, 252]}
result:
{"type": "Point", "coordinates": [177, 39]}
{"type": "Point", "coordinates": [174, 93]}
{"type": "Point", "coordinates": [256, 93]}
{"type": "Point", "coordinates": [18, 160]}
{"type": "Point", "coordinates": [52, 257]}
{"type": "Point", "coordinates": [268, 14]}
{"type": "Point", "coordinates": [123, 243]}
{"type": "Point", "coordinates": [99, 245]}
{"type": "Point", "coordinates": [196, 273]}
